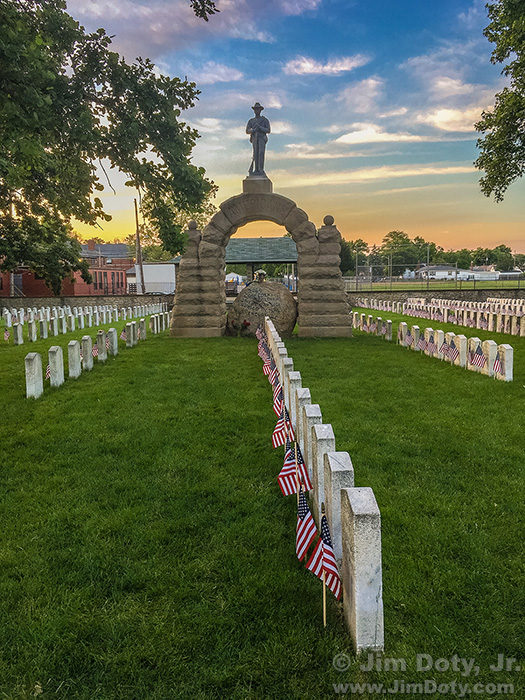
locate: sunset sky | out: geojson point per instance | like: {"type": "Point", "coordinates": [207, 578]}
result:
{"type": "Point", "coordinates": [371, 103]}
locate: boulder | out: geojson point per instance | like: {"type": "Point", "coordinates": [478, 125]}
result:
{"type": "Point", "coordinates": [258, 300]}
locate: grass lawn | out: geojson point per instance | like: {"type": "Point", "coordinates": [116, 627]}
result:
{"type": "Point", "coordinates": [146, 551]}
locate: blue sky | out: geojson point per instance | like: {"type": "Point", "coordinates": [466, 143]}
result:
{"type": "Point", "coordinates": [371, 102]}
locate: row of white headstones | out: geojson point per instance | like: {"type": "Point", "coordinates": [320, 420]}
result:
{"type": "Point", "coordinates": [495, 315]}
{"type": "Point", "coordinates": [81, 354]}
{"type": "Point", "coordinates": [466, 348]}
{"type": "Point", "coordinates": [53, 321]}
{"type": "Point", "coordinates": [352, 513]}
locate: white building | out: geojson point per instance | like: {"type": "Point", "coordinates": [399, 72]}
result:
{"type": "Point", "coordinates": [159, 278]}
{"type": "Point", "coordinates": [449, 272]}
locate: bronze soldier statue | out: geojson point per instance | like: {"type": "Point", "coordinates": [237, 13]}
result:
{"type": "Point", "coordinates": [258, 127]}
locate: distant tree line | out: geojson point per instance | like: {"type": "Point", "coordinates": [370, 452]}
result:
{"type": "Point", "coordinates": [398, 250]}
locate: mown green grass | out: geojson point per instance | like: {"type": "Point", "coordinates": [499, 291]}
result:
{"type": "Point", "coordinates": [147, 552]}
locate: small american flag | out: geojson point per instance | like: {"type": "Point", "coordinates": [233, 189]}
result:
{"type": "Point", "coordinates": [453, 352]}
{"type": "Point", "coordinates": [364, 327]}
{"type": "Point", "coordinates": [383, 328]}
{"type": "Point", "coordinates": [262, 350]}
{"type": "Point", "coordinates": [7, 335]}
{"type": "Point", "coordinates": [498, 368]}
{"type": "Point", "coordinates": [323, 561]}
{"type": "Point", "coordinates": [48, 372]}
{"type": "Point", "coordinates": [267, 365]}
{"type": "Point", "coordinates": [123, 334]}
{"type": "Point", "coordinates": [274, 373]}
{"type": "Point", "coordinates": [444, 348]}
{"type": "Point", "coordinates": [431, 345]}
{"type": "Point", "coordinates": [478, 358]}
{"type": "Point", "coordinates": [408, 338]}
{"type": "Point", "coordinates": [279, 434]}
{"type": "Point", "coordinates": [107, 343]}
{"type": "Point", "coordinates": [421, 343]}
{"type": "Point", "coordinates": [373, 327]}
{"type": "Point", "coordinates": [306, 531]}
{"type": "Point", "coordinates": [259, 333]}
{"type": "Point", "coordinates": [289, 475]}
{"type": "Point", "coordinates": [278, 400]}
{"type": "Point", "coordinates": [94, 350]}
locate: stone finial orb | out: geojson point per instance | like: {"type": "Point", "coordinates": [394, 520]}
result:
{"type": "Point", "coordinates": [328, 220]}
{"type": "Point", "coordinates": [192, 225]}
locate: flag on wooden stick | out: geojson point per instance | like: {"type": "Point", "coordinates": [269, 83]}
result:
{"type": "Point", "coordinates": [7, 334]}
{"type": "Point", "coordinates": [123, 335]}
{"type": "Point", "coordinates": [48, 372]}
{"type": "Point", "coordinates": [306, 531]}
{"type": "Point", "coordinates": [322, 560]}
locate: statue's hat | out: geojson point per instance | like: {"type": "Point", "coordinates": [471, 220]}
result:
{"type": "Point", "coordinates": [257, 105]}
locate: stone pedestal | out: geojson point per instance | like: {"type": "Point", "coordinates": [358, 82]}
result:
{"type": "Point", "coordinates": [257, 184]}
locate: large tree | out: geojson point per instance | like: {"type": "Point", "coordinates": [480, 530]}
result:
{"type": "Point", "coordinates": [502, 148]}
{"type": "Point", "coordinates": [67, 103]}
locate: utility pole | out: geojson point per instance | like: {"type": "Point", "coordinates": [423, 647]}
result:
{"type": "Point", "coordinates": [428, 265]}
{"type": "Point", "coordinates": [138, 249]}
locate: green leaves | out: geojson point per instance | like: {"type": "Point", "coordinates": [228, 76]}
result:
{"type": "Point", "coordinates": [67, 102]}
{"type": "Point", "coordinates": [502, 148]}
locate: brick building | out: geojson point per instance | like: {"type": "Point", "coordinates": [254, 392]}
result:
{"type": "Point", "coordinates": [108, 263]}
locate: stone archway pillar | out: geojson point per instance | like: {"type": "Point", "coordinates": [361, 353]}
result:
{"type": "Point", "coordinates": [200, 298]}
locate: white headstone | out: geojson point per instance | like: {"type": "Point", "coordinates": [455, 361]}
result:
{"type": "Point", "coordinates": [323, 441]}
{"type": "Point", "coordinates": [87, 353]}
{"type": "Point", "coordinates": [361, 570]}
{"type": "Point", "coordinates": [73, 356]}
{"type": "Point", "coordinates": [56, 364]}
{"type": "Point", "coordinates": [338, 474]}
{"type": "Point", "coordinates": [311, 416]}
{"type": "Point", "coordinates": [34, 380]}
{"type": "Point", "coordinates": [113, 341]}
{"type": "Point", "coordinates": [31, 331]}
{"type": "Point", "coordinates": [101, 346]}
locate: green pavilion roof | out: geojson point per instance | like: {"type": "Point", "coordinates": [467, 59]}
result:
{"type": "Point", "coordinates": [258, 250]}
{"type": "Point", "coordinates": [261, 250]}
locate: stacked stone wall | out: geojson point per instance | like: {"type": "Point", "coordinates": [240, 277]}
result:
{"type": "Point", "coordinates": [200, 299]}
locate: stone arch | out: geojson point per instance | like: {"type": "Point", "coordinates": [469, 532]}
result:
{"type": "Point", "coordinates": [200, 299]}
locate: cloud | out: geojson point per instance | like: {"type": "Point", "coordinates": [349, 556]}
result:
{"type": "Point", "coordinates": [399, 112]}
{"type": "Point", "coordinates": [475, 18]}
{"type": "Point", "coordinates": [371, 133]}
{"type": "Point", "coordinates": [361, 97]}
{"type": "Point", "coordinates": [386, 172]}
{"type": "Point", "coordinates": [282, 127]}
{"type": "Point", "coordinates": [444, 86]}
{"type": "Point", "coordinates": [452, 119]}
{"type": "Point", "coordinates": [303, 65]}
{"type": "Point", "coordinates": [158, 27]}
{"type": "Point", "coordinates": [212, 72]}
